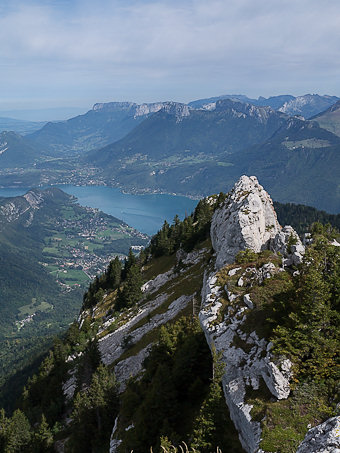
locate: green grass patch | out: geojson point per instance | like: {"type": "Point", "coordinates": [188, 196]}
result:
{"type": "Point", "coordinates": [68, 212]}
{"type": "Point", "coordinates": [50, 251]}
{"type": "Point", "coordinates": [286, 422]}
{"type": "Point", "coordinates": [73, 276]}
{"type": "Point", "coordinates": [151, 336]}
{"type": "Point", "coordinates": [158, 266]}
{"type": "Point", "coordinates": [29, 309]}
{"type": "Point", "coordinates": [111, 234]}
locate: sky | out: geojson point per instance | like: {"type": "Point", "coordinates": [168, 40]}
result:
{"type": "Point", "coordinates": [61, 54]}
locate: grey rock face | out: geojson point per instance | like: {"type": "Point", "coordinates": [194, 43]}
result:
{"type": "Point", "coordinates": [173, 108]}
{"type": "Point", "coordinates": [288, 243]}
{"type": "Point", "coordinates": [112, 346]}
{"type": "Point", "coordinates": [247, 220]}
{"type": "Point", "coordinates": [324, 438]}
{"type": "Point", "coordinates": [114, 443]}
{"type": "Point", "coordinates": [242, 369]}
{"type": "Point", "coordinates": [130, 367]}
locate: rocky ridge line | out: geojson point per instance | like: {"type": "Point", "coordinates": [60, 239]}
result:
{"type": "Point", "coordinates": [247, 220]}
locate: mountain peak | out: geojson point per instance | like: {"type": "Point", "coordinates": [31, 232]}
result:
{"type": "Point", "coordinates": [247, 220]}
{"type": "Point", "coordinates": [238, 108]}
{"type": "Point", "coordinates": [137, 110]}
{"type": "Point", "coordinates": [113, 106]}
{"type": "Point", "coordinates": [308, 105]}
{"type": "Point", "coordinates": [176, 108]}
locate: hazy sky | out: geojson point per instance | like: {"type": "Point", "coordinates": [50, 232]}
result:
{"type": "Point", "coordinates": [76, 52]}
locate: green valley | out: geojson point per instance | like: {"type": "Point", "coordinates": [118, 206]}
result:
{"type": "Point", "coordinates": [51, 248]}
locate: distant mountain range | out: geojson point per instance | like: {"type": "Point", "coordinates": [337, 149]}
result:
{"type": "Point", "coordinates": [17, 151]}
{"type": "Point", "coordinates": [20, 126]}
{"type": "Point", "coordinates": [207, 150]}
{"type": "Point", "coordinates": [104, 124]}
{"type": "Point", "coordinates": [193, 134]}
{"type": "Point", "coordinates": [191, 149]}
{"type": "Point", "coordinates": [307, 105]}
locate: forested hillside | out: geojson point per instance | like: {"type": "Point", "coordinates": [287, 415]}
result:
{"type": "Point", "coordinates": [50, 248]}
{"type": "Point", "coordinates": [143, 315]}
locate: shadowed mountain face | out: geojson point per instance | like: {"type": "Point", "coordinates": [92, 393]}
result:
{"type": "Point", "coordinates": [231, 126]}
{"type": "Point", "coordinates": [105, 123]}
{"type": "Point", "coordinates": [109, 122]}
{"type": "Point", "coordinates": [330, 119]}
{"type": "Point", "coordinates": [300, 162]}
{"type": "Point", "coordinates": [16, 151]}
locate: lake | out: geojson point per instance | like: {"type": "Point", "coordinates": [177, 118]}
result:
{"type": "Point", "coordinates": [146, 213]}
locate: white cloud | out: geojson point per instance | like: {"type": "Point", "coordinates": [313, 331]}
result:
{"type": "Point", "coordinates": [205, 45]}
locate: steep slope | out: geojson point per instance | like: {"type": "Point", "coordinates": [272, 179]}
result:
{"type": "Point", "coordinates": [50, 248]}
{"type": "Point", "coordinates": [16, 151]}
{"type": "Point", "coordinates": [330, 119]}
{"type": "Point", "coordinates": [105, 123]}
{"type": "Point", "coordinates": [177, 130]}
{"type": "Point", "coordinates": [304, 154]}
{"type": "Point", "coordinates": [175, 150]}
{"type": "Point", "coordinates": [269, 318]}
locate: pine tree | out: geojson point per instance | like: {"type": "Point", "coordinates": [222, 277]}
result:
{"type": "Point", "coordinates": [43, 437]}
{"type": "Point", "coordinates": [17, 433]}
{"type": "Point", "coordinates": [209, 425]}
{"type": "Point", "coordinates": [94, 410]}
{"type": "Point", "coordinates": [131, 292]}
{"type": "Point", "coordinates": [114, 273]}
{"type": "Point", "coordinates": [128, 263]}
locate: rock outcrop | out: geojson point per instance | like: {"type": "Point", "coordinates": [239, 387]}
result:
{"type": "Point", "coordinates": [288, 243]}
{"type": "Point", "coordinates": [324, 438]}
{"type": "Point", "coordinates": [247, 220]}
{"type": "Point", "coordinates": [172, 108]}
{"type": "Point", "coordinates": [245, 367]}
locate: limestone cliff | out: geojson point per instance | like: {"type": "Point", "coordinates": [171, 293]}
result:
{"type": "Point", "coordinates": [247, 220]}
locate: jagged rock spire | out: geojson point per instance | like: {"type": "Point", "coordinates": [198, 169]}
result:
{"type": "Point", "coordinates": [247, 219]}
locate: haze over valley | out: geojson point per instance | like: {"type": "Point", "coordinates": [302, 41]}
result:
{"type": "Point", "coordinates": [169, 226]}
{"type": "Point", "coordinates": [189, 149]}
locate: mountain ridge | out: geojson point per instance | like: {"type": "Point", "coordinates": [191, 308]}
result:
{"type": "Point", "coordinates": [140, 321]}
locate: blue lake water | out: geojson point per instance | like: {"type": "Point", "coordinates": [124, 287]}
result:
{"type": "Point", "coordinates": [146, 213]}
